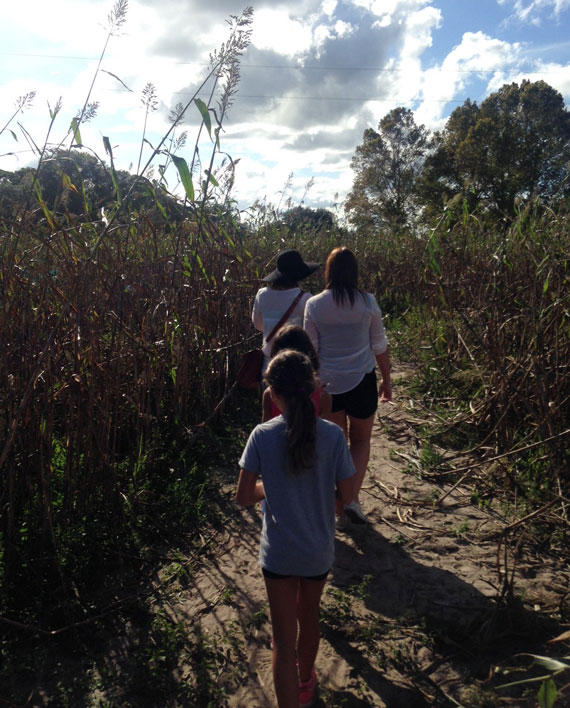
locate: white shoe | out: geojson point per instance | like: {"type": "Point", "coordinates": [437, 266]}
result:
{"type": "Point", "coordinates": [355, 513]}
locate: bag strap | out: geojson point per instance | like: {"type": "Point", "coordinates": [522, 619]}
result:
{"type": "Point", "coordinates": [285, 316]}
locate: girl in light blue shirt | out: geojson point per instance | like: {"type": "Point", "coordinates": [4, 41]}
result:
{"type": "Point", "coordinates": [297, 463]}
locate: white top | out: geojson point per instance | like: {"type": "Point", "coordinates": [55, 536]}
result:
{"type": "Point", "coordinates": [347, 338]}
{"type": "Point", "coordinates": [270, 306]}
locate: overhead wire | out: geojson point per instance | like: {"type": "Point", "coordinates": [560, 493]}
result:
{"type": "Point", "coordinates": [244, 65]}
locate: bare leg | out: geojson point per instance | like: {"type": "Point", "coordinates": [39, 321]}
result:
{"type": "Point", "coordinates": [282, 596]}
{"type": "Point", "coordinates": [308, 602]}
{"type": "Point", "coordinates": [359, 434]}
{"type": "Point", "coordinates": [339, 417]}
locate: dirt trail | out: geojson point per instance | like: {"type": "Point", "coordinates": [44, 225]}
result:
{"type": "Point", "coordinates": [411, 600]}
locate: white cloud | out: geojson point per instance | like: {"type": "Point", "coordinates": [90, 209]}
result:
{"type": "Point", "coordinates": [57, 22]}
{"type": "Point", "coordinates": [344, 29]}
{"type": "Point", "coordinates": [555, 75]}
{"type": "Point", "coordinates": [419, 29]}
{"type": "Point", "coordinates": [329, 6]}
{"type": "Point", "coordinates": [477, 55]}
{"type": "Point", "coordinates": [533, 11]}
{"type": "Point", "coordinates": [418, 37]}
{"type": "Point", "coordinates": [275, 30]}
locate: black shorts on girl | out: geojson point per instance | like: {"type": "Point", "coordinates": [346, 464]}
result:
{"type": "Point", "coordinates": [276, 576]}
{"type": "Point", "coordinates": [360, 402]}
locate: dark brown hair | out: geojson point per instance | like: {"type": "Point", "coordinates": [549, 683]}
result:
{"type": "Point", "coordinates": [341, 275]}
{"type": "Point", "coordinates": [290, 375]}
{"type": "Point", "coordinates": [295, 338]}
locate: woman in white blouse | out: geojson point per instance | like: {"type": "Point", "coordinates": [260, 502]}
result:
{"type": "Point", "coordinates": [273, 301]}
{"type": "Point", "coordinates": [346, 328]}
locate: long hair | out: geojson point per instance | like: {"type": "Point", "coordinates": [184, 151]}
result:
{"type": "Point", "coordinates": [295, 338]}
{"type": "Point", "coordinates": [290, 375]}
{"type": "Point", "coordinates": [341, 275]}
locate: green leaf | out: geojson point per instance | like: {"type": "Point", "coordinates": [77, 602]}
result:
{"type": "Point", "coordinates": [161, 209]}
{"type": "Point", "coordinates": [108, 148]}
{"type": "Point", "coordinates": [109, 151]}
{"type": "Point", "coordinates": [547, 694]}
{"type": "Point", "coordinates": [69, 184]}
{"type": "Point", "coordinates": [213, 180]}
{"type": "Point", "coordinates": [545, 286]}
{"type": "Point", "coordinates": [76, 134]}
{"type": "Point", "coordinates": [118, 79]}
{"type": "Point", "coordinates": [47, 213]}
{"type": "Point", "coordinates": [203, 108]}
{"type": "Point", "coordinates": [185, 176]}
{"type": "Point", "coordinates": [432, 259]}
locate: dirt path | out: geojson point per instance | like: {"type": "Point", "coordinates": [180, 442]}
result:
{"type": "Point", "coordinates": [410, 615]}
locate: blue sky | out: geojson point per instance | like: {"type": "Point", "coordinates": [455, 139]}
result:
{"type": "Point", "coordinates": [316, 75]}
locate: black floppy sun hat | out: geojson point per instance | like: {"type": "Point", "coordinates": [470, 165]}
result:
{"type": "Point", "coordinates": [290, 268]}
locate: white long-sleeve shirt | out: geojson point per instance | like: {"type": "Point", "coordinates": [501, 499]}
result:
{"type": "Point", "coordinates": [347, 338]}
{"type": "Point", "coordinates": [269, 307]}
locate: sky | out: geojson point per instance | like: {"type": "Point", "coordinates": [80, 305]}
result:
{"type": "Point", "coordinates": [316, 74]}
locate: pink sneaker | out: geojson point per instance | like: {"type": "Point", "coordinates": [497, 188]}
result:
{"type": "Point", "coordinates": [307, 691]}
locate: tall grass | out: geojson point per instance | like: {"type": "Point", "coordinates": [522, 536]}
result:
{"type": "Point", "coordinates": [485, 311]}
{"type": "Point", "coordinates": [118, 330]}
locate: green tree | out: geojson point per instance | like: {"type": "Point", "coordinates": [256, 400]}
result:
{"type": "Point", "coordinates": [302, 218]}
{"type": "Point", "coordinates": [515, 146]}
{"type": "Point", "coordinates": [76, 182]}
{"type": "Point", "coordinates": [387, 165]}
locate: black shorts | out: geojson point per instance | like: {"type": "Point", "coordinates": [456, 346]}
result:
{"type": "Point", "coordinates": [362, 401]}
{"type": "Point", "coordinates": [275, 576]}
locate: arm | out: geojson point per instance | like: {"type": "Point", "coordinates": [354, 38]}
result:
{"type": "Point", "coordinates": [385, 388]}
{"type": "Point", "coordinates": [249, 490]}
{"type": "Point", "coordinates": [379, 345]}
{"type": "Point", "coordinates": [325, 406]}
{"type": "Point", "coordinates": [311, 328]}
{"type": "Point", "coordinates": [345, 490]}
{"type": "Point", "coordinates": [257, 315]}
{"type": "Point", "coordinates": [266, 406]}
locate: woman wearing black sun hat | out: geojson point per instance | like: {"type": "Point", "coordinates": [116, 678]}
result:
{"type": "Point", "coordinates": [273, 301]}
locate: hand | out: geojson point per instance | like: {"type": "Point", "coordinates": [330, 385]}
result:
{"type": "Point", "coordinates": [384, 392]}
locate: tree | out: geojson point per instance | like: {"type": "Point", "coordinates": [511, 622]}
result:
{"type": "Point", "coordinates": [515, 146]}
{"type": "Point", "coordinates": [301, 218]}
{"type": "Point", "coordinates": [78, 183]}
{"type": "Point", "coordinates": [387, 166]}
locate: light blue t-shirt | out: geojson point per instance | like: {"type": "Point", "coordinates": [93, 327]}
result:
{"type": "Point", "coordinates": [297, 537]}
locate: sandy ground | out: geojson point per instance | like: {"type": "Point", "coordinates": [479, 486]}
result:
{"type": "Point", "coordinates": [410, 613]}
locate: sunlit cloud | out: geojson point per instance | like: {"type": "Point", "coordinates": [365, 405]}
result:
{"type": "Point", "coordinates": [556, 75]}
{"type": "Point", "coordinates": [476, 55]}
{"type": "Point", "coordinates": [277, 31]}
{"type": "Point", "coordinates": [536, 11]}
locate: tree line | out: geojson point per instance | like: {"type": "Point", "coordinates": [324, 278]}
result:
{"type": "Point", "coordinates": [512, 149]}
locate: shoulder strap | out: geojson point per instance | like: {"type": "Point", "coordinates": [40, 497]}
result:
{"type": "Point", "coordinates": [285, 316]}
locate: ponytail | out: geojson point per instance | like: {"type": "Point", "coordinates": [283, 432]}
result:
{"type": "Point", "coordinates": [291, 376]}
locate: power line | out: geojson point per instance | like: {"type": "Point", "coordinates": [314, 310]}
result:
{"type": "Point", "coordinates": [308, 98]}
{"type": "Point", "coordinates": [391, 70]}
{"type": "Point", "coordinates": [240, 96]}
{"type": "Point", "coordinates": [361, 99]}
